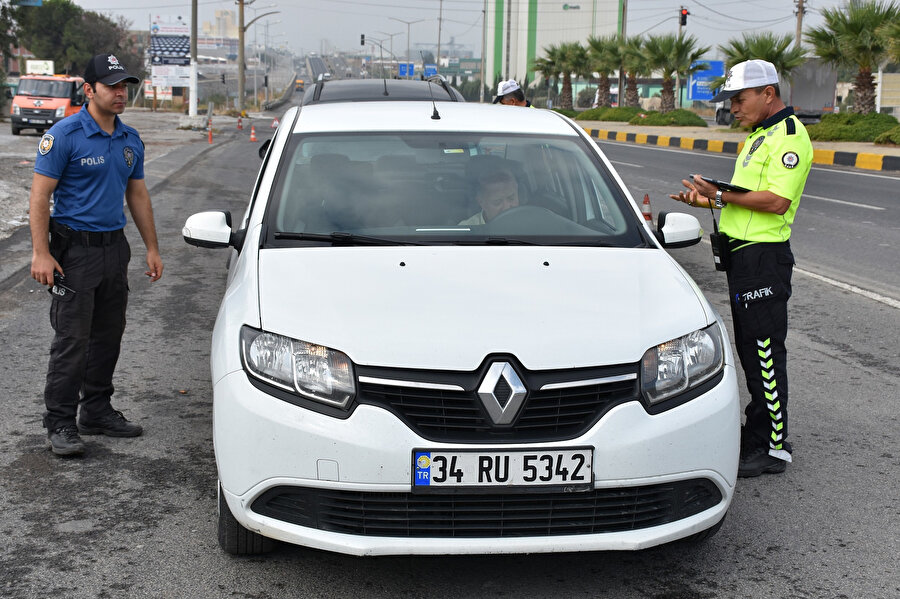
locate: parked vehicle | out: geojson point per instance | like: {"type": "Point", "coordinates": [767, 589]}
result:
{"type": "Point", "coordinates": [390, 379]}
{"type": "Point", "coordinates": [42, 100]}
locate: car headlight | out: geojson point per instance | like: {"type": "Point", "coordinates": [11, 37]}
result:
{"type": "Point", "coordinates": [681, 364]}
{"type": "Point", "coordinates": [16, 110]}
{"type": "Point", "coordinates": [312, 371]}
{"type": "Point", "coordinates": [60, 112]}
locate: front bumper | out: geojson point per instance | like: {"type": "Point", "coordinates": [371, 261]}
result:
{"type": "Point", "coordinates": [266, 447]}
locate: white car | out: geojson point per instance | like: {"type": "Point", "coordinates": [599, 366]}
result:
{"type": "Point", "coordinates": [387, 380]}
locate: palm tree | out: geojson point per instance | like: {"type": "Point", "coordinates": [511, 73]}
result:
{"type": "Point", "coordinates": [673, 55]}
{"type": "Point", "coordinates": [564, 60]}
{"type": "Point", "coordinates": [635, 65]}
{"type": "Point", "coordinates": [892, 33]}
{"type": "Point", "coordinates": [854, 36]}
{"type": "Point", "coordinates": [605, 58]}
{"type": "Point", "coordinates": [780, 51]}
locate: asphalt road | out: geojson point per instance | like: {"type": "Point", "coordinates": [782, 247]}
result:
{"type": "Point", "coordinates": [136, 517]}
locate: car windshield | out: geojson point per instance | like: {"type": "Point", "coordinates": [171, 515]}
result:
{"type": "Point", "coordinates": [462, 188]}
{"type": "Point", "coordinates": [45, 88]}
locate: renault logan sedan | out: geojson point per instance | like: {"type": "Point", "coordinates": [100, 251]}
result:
{"type": "Point", "coordinates": [447, 329]}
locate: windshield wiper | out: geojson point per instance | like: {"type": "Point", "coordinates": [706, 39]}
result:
{"type": "Point", "coordinates": [496, 241]}
{"type": "Point", "coordinates": [341, 238]}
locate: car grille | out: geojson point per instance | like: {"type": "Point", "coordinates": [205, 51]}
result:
{"type": "Point", "coordinates": [547, 415]}
{"type": "Point", "coordinates": [37, 113]}
{"type": "Point", "coordinates": [479, 515]}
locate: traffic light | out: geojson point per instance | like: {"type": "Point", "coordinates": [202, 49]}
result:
{"type": "Point", "coordinates": [684, 14]}
{"type": "Point", "coordinates": [362, 39]}
{"type": "Point", "coordinates": [223, 77]}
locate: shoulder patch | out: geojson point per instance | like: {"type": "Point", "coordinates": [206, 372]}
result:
{"type": "Point", "coordinates": [46, 144]}
{"type": "Point", "coordinates": [790, 159]}
{"type": "Point", "coordinates": [790, 126]}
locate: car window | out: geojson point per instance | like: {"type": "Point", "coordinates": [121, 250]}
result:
{"type": "Point", "coordinates": [44, 87]}
{"type": "Point", "coordinates": [450, 188]}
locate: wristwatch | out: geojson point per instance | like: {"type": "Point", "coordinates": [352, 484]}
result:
{"type": "Point", "coordinates": [719, 202]}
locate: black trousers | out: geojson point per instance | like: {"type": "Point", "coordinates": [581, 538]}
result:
{"type": "Point", "coordinates": [89, 328]}
{"type": "Point", "coordinates": [759, 283]}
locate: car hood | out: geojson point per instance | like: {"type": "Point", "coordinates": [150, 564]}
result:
{"type": "Point", "coordinates": [449, 307]}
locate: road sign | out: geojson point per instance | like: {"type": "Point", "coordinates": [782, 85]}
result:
{"type": "Point", "coordinates": [430, 70]}
{"type": "Point", "coordinates": [406, 69]}
{"type": "Point", "coordinates": [700, 87]}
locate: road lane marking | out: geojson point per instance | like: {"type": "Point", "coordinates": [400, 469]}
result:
{"type": "Point", "coordinates": [841, 285]}
{"type": "Point", "coordinates": [626, 163]}
{"type": "Point", "coordinates": [806, 195]}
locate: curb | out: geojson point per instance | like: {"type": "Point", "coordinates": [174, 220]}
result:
{"type": "Point", "coordinates": [861, 160]}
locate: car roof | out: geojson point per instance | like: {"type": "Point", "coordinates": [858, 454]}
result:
{"type": "Point", "coordinates": [379, 90]}
{"type": "Point", "coordinates": [419, 116]}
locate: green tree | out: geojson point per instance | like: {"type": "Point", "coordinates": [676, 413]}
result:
{"type": "Point", "coordinates": [671, 55]}
{"type": "Point", "coordinates": [77, 35]}
{"type": "Point", "coordinates": [891, 32]}
{"type": "Point", "coordinates": [564, 61]}
{"type": "Point", "coordinates": [780, 51]}
{"type": "Point", "coordinates": [854, 35]}
{"type": "Point", "coordinates": [605, 58]}
{"type": "Point", "coordinates": [635, 65]}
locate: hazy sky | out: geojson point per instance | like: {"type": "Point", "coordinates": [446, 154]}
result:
{"type": "Point", "coordinates": [303, 24]}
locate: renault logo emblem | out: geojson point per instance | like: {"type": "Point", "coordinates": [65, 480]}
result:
{"type": "Point", "coordinates": [502, 392]}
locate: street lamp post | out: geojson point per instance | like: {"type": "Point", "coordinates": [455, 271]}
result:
{"type": "Point", "coordinates": [391, 36]}
{"type": "Point", "coordinates": [242, 28]}
{"type": "Point", "coordinates": [408, 23]}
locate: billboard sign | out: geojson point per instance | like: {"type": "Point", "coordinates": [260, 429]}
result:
{"type": "Point", "coordinates": [700, 87]}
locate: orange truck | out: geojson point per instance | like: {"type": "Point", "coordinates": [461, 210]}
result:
{"type": "Point", "coordinates": [42, 100]}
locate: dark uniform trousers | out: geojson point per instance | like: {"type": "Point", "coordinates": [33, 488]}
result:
{"type": "Point", "coordinates": [88, 325]}
{"type": "Point", "coordinates": [759, 285]}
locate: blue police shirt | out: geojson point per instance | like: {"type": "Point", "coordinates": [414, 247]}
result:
{"type": "Point", "coordinates": [92, 169]}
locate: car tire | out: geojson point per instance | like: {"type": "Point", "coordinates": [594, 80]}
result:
{"type": "Point", "coordinates": [234, 538]}
{"type": "Point", "coordinates": [16, 130]}
{"type": "Point", "coordinates": [703, 535]}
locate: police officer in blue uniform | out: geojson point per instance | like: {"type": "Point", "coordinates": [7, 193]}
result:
{"type": "Point", "coordinates": [87, 163]}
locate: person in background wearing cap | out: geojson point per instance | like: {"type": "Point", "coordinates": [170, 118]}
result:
{"type": "Point", "coordinates": [510, 94]}
{"type": "Point", "coordinates": [774, 164]}
{"type": "Point", "coordinates": [88, 162]}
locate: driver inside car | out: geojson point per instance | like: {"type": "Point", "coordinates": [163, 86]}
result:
{"type": "Point", "coordinates": [497, 191]}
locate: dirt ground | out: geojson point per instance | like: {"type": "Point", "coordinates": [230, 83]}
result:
{"type": "Point", "coordinates": [160, 131]}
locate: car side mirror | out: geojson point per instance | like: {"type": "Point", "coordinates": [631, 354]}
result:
{"type": "Point", "coordinates": [677, 230]}
{"type": "Point", "coordinates": [211, 230]}
{"type": "Point", "coordinates": [264, 148]}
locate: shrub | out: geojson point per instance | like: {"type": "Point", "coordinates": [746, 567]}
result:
{"type": "Point", "coordinates": [565, 112]}
{"type": "Point", "coordinates": [850, 126]}
{"type": "Point", "coordinates": [622, 113]}
{"type": "Point", "coordinates": [891, 136]}
{"type": "Point", "coordinates": [678, 118]}
{"type": "Point", "coordinates": [592, 114]}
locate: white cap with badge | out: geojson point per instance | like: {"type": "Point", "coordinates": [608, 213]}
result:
{"type": "Point", "coordinates": [506, 87]}
{"type": "Point", "coordinates": [747, 75]}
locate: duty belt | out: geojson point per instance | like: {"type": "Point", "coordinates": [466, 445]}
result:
{"type": "Point", "coordinates": [71, 236]}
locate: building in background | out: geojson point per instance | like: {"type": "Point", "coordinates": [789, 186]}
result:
{"type": "Point", "coordinates": [517, 31]}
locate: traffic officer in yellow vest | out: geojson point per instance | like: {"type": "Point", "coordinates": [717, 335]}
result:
{"type": "Point", "coordinates": [756, 224]}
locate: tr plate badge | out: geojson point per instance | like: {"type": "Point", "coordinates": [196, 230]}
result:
{"type": "Point", "coordinates": [129, 156]}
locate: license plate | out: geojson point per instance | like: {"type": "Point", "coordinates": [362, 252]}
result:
{"type": "Point", "coordinates": [569, 469]}
{"type": "Point", "coordinates": [36, 121]}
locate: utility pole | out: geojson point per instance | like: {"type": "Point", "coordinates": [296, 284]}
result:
{"type": "Point", "coordinates": [620, 100]}
{"type": "Point", "coordinates": [192, 106]}
{"type": "Point", "coordinates": [241, 29]}
{"type": "Point", "coordinates": [801, 10]}
{"type": "Point", "coordinates": [682, 20]}
{"type": "Point", "coordinates": [437, 59]}
{"type": "Point", "coordinates": [483, 50]}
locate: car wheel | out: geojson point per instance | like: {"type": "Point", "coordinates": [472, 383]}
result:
{"type": "Point", "coordinates": [704, 534]}
{"type": "Point", "coordinates": [234, 538]}
{"type": "Point", "coordinates": [15, 130]}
